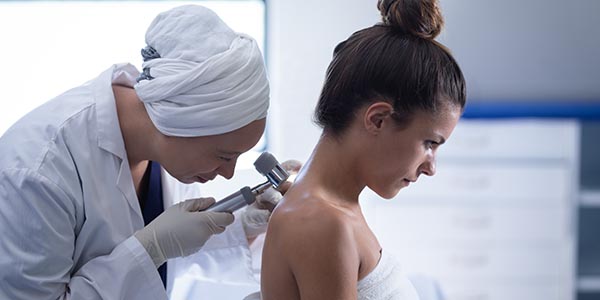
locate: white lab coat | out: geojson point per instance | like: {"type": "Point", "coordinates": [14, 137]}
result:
{"type": "Point", "coordinates": [68, 208]}
{"type": "Point", "coordinates": [225, 268]}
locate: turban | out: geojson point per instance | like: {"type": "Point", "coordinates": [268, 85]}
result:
{"type": "Point", "coordinates": [201, 78]}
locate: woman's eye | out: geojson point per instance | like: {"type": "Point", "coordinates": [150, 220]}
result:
{"type": "Point", "coordinates": [430, 144]}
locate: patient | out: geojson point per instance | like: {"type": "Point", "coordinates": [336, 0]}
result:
{"type": "Point", "coordinates": [391, 97]}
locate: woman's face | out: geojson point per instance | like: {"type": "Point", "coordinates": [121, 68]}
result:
{"type": "Point", "coordinates": [200, 159]}
{"type": "Point", "coordinates": [402, 154]}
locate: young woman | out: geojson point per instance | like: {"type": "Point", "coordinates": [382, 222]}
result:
{"type": "Point", "coordinates": [391, 97]}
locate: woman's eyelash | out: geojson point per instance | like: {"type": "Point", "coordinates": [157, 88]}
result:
{"type": "Point", "coordinates": [430, 144]}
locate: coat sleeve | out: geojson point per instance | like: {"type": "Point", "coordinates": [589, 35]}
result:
{"type": "Point", "coordinates": [38, 224]}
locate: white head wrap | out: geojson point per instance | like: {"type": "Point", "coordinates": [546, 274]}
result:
{"type": "Point", "coordinates": [208, 79]}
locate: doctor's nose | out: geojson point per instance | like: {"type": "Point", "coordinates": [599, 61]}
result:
{"type": "Point", "coordinates": [227, 170]}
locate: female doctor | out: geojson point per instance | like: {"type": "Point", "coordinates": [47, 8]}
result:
{"type": "Point", "coordinates": [85, 176]}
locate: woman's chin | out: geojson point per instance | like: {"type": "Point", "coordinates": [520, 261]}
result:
{"type": "Point", "coordinates": [389, 194]}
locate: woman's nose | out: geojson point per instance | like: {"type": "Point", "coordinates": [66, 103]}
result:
{"type": "Point", "coordinates": [428, 167]}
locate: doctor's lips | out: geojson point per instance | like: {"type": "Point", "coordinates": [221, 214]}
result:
{"type": "Point", "coordinates": [202, 179]}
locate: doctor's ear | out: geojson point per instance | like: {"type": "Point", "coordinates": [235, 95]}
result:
{"type": "Point", "coordinates": [376, 115]}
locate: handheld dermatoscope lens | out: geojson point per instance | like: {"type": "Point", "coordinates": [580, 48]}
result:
{"type": "Point", "coordinates": [268, 166]}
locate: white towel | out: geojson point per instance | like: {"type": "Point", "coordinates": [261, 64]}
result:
{"type": "Point", "coordinates": [386, 282]}
{"type": "Point", "coordinates": [208, 80]}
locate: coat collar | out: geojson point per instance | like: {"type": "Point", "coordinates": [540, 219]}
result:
{"type": "Point", "coordinates": [110, 137]}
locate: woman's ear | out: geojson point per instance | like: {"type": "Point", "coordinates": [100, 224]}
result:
{"type": "Point", "coordinates": [375, 116]}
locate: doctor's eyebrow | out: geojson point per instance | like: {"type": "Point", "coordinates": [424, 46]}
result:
{"type": "Point", "coordinates": [229, 152]}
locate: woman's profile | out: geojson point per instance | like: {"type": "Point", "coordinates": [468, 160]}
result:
{"type": "Point", "coordinates": [392, 95]}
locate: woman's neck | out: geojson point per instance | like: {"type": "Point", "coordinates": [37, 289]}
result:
{"type": "Point", "coordinates": [332, 167]}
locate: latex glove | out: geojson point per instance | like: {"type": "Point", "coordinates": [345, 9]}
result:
{"type": "Point", "coordinates": [256, 216]}
{"type": "Point", "coordinates": [182, 229]}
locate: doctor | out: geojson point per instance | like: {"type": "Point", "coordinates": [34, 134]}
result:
{"type": "Point", "coordinates": [84, 177]}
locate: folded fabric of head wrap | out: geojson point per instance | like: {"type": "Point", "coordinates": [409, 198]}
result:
{"type": "Point", "coordinates": [204, 78]}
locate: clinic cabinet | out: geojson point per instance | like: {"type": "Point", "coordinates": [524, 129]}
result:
{"type": "Point", "coordinates": [588, 253]}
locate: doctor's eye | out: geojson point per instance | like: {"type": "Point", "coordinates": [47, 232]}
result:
{"type": "Point", "coordinates": [227, 159]}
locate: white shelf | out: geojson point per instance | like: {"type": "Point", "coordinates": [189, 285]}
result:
{"type": "Point", "coordinates": [588, 284]}
{"type": "Point", "coordinates": [590, 198]}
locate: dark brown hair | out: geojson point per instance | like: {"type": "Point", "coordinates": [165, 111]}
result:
{"type": "Point", "coordinates": [397, 61]}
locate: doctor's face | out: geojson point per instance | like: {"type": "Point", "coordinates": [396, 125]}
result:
{"type": "Point", "coordinates": [200, 159]}
{"type": "Point", "coordinates": [401, 155]}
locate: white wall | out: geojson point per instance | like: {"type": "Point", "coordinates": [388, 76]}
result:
{"type": "Point", "coordinates": [526, 49]}
{"type": "Point", "coordinates": [42, 61]}
{"type": "Point", "coordinates": [301, 36]}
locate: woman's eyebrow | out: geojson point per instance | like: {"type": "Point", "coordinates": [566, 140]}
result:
{"type": "Point", "coordinates": [441, 139]}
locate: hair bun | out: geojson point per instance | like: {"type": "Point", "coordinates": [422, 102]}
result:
{"type": "Point", "coordinates": [421, 18]}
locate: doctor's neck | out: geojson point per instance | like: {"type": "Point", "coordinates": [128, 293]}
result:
{"type": "Point", "coordinates": [137, 129]}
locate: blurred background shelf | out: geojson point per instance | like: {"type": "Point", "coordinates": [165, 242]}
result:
{"type": "Point", "coordinates": [589, 198]}
{"type": "Point", "coordinates": [588, 284]}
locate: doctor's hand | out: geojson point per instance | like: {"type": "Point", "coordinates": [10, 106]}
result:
{"type": "Point", "coordinates": [182, 229]}
{"type": "Point", "coordinates": [256, 216]}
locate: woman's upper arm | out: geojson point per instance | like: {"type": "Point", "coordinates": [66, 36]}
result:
{"type": "Point", "coordinates": [323, 258]}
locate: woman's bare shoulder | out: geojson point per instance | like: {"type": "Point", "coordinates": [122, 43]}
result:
{"type": "Point", "coordinates": [303, 212]}
{"type": "Point", "coordinates": [315, 241]}
{"type": "Point", "coordinates": [307, 220]}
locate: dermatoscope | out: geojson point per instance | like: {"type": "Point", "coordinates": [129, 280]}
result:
{"type": "Point", "coordinates": [268, 166]}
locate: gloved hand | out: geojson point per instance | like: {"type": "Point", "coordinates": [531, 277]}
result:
{"type": "Point", "coordinates": [182, 229]}
{"type": "Point", "coordinates": [256, 216]}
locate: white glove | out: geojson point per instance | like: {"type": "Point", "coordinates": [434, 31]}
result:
{"type": "Point", "coordinates": [182, 229]}
{"type": "Point", "coordinates": [256, 217]}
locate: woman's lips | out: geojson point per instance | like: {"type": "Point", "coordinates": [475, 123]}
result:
{"type": "Point", "coordinates": [408, 181]}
